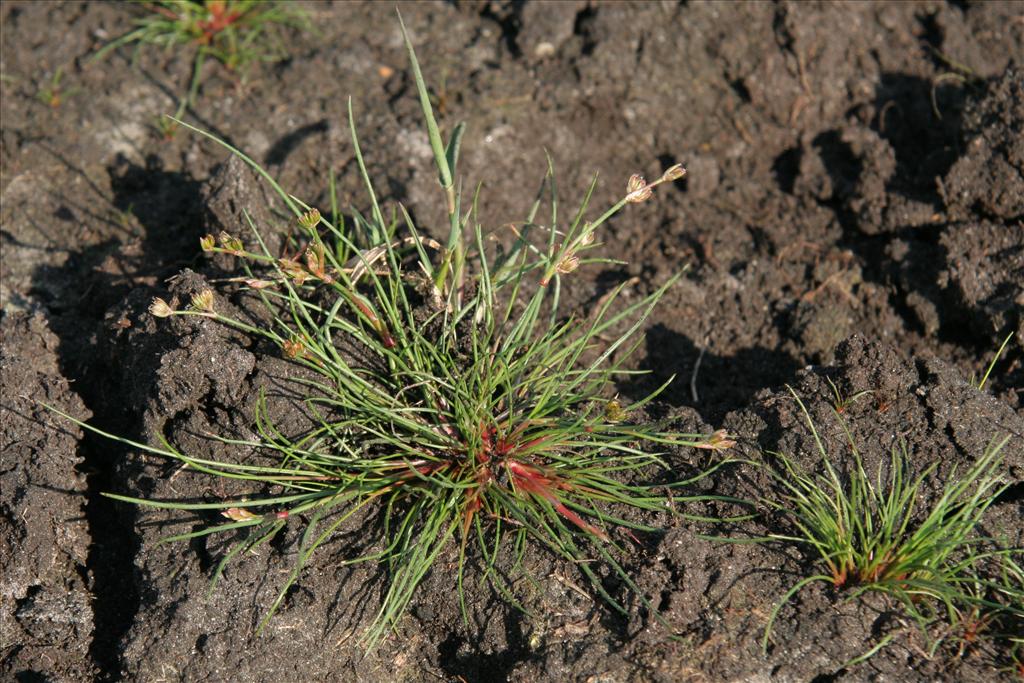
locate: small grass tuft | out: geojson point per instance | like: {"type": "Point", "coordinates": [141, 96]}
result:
{"type": "Point", "coordinates": [54, 92]}
{"type": "Point", "coordinates": [863, 534]}
{"type": "Point", "coordinates": [843, 402]}
{"type": "Point", "coordinates": [471, 413]}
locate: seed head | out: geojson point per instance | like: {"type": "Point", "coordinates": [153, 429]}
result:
{"type": "Point", "coordinates": [207, 242]}
{"type": "Point", "coordinates": [310, 219]}
{"type": "Point", "coordinates": [638, 189]}
{"type": "Point", "coordinates": [239, 514]}
{"type": "Point", "coordinates": [568, 264]}
{"type": "Point", "coordinates": [719, 441]}
{"type": "Point", "coordinates": [203, 301]}
{"type": "Point", "coordinates": [294, 348]}
{"type": "Point", "coordinates": [231, 244]}
{"type": "Point", "coordinates": [587, 238]}
{"type": "Point", "coordinates": [673, 173]}
{"type": "Point", "coordinates": [159, 308]}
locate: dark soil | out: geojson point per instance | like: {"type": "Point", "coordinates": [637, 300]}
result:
{"type": "Point", "coordinates": [854, 212]}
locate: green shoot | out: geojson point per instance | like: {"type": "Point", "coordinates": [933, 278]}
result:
{"type": "Point", "coordinates": [1002, 347]}
{"type": "Point", "coordinates": [843, 402]}
{"type": "Point", "coordinates": [52, 93]}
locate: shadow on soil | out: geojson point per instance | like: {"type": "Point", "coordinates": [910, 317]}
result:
{"type": "Point", "coordinates": [166, 207]}
{"type": "Point", "coordinates": [710, 384]}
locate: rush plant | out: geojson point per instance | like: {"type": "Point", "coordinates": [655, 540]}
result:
{"type": "Point", "coordinates": [236, 33]}
{"type": "Point", "coordinates": [867, 535]}
{"type": "Point", "coordinates": [450, 392]}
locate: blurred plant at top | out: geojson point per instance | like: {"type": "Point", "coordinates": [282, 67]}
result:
{"type": "Point", "coordinates": [236, 33]}
{"type": "Point", "coordinates": [450, 394]}
{"type": "Point", "coordinates": [52, 93]}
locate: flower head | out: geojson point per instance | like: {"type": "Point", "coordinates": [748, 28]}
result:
{"type": "Point", "coordinates": [160, 308]}
{"type": "Point", "coordinates": [231, 244]}
{"type": "Point", "coordinates": [310, 219]}
{"type": "Point", "coordinates": [203, 301]}
{"type": "Point", "coordinates": [638, 189]}
{"type": "Point", "coordinates": [673, 173]}
{"type": "Point", "coordinates": [239, 514]}
{"type": "Point", "coordinates": [568, 264]}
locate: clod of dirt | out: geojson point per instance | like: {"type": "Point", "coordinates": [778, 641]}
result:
{"type": "Point", "coordinates": [175, 366]}
{"type": "Point", "coordinates": [877, 160]}
{"type": "Point", "coordinates": [46, 615]}
{"type": "Point", "coordinates": [233, 197]}
{"type": "Point", "coordinates": [546, 26]}
{"type": "Point", "coordinates": [989, 178]}
{"type": "Point", "coordinates": [984, 190]}
{"type": "Point", "coordinates": [983, 281]}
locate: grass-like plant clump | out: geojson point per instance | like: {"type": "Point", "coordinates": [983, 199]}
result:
{"type": "Point", "coordinates": [236, 33]}
{"type": "Point", "coordinates": [450, 394]}
{"type": "Point", "coordinates": [868, 535]}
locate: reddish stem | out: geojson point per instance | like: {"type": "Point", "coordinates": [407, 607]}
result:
{"type": "Point", "coordinates": [219, 20]}
{"type": "Point", "coordinates": [532, 480]}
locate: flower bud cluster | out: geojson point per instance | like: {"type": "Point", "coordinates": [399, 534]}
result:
{"type": "Point", "coordinates": [202, 302]}
{"type": "Point", "coordinates": [569, 260]}
{"type": "Point", "coordinates": [639, 190]}
{"type": "Point", "coordinates": [310, 219]}
{"type": "Point", "coordinates": [160, 308]}
{"type": "Point", "coordinates": [231, 244]}
{"type": "Point", "coordinates": [719, 441]}
{"type": "Point", "coordinates": [294, 348]}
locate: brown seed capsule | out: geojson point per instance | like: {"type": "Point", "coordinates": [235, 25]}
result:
{"type": "Point", "coordinates": [159, 308]}
{"type": "Point", "coordinates": [568, 264]}
{"type": "Point", "coordinates": [239, 514]}
{"type": "Point", "coordinates": [310, 219]}
{"type": "Point", "coordinates": [294, 348]}
{"type": "Point", "coordinates": [638, 189]}
{"type": "Point", "coordinates": [673, 173]}
{"type": "Point", "coordinates": [203, 301]}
